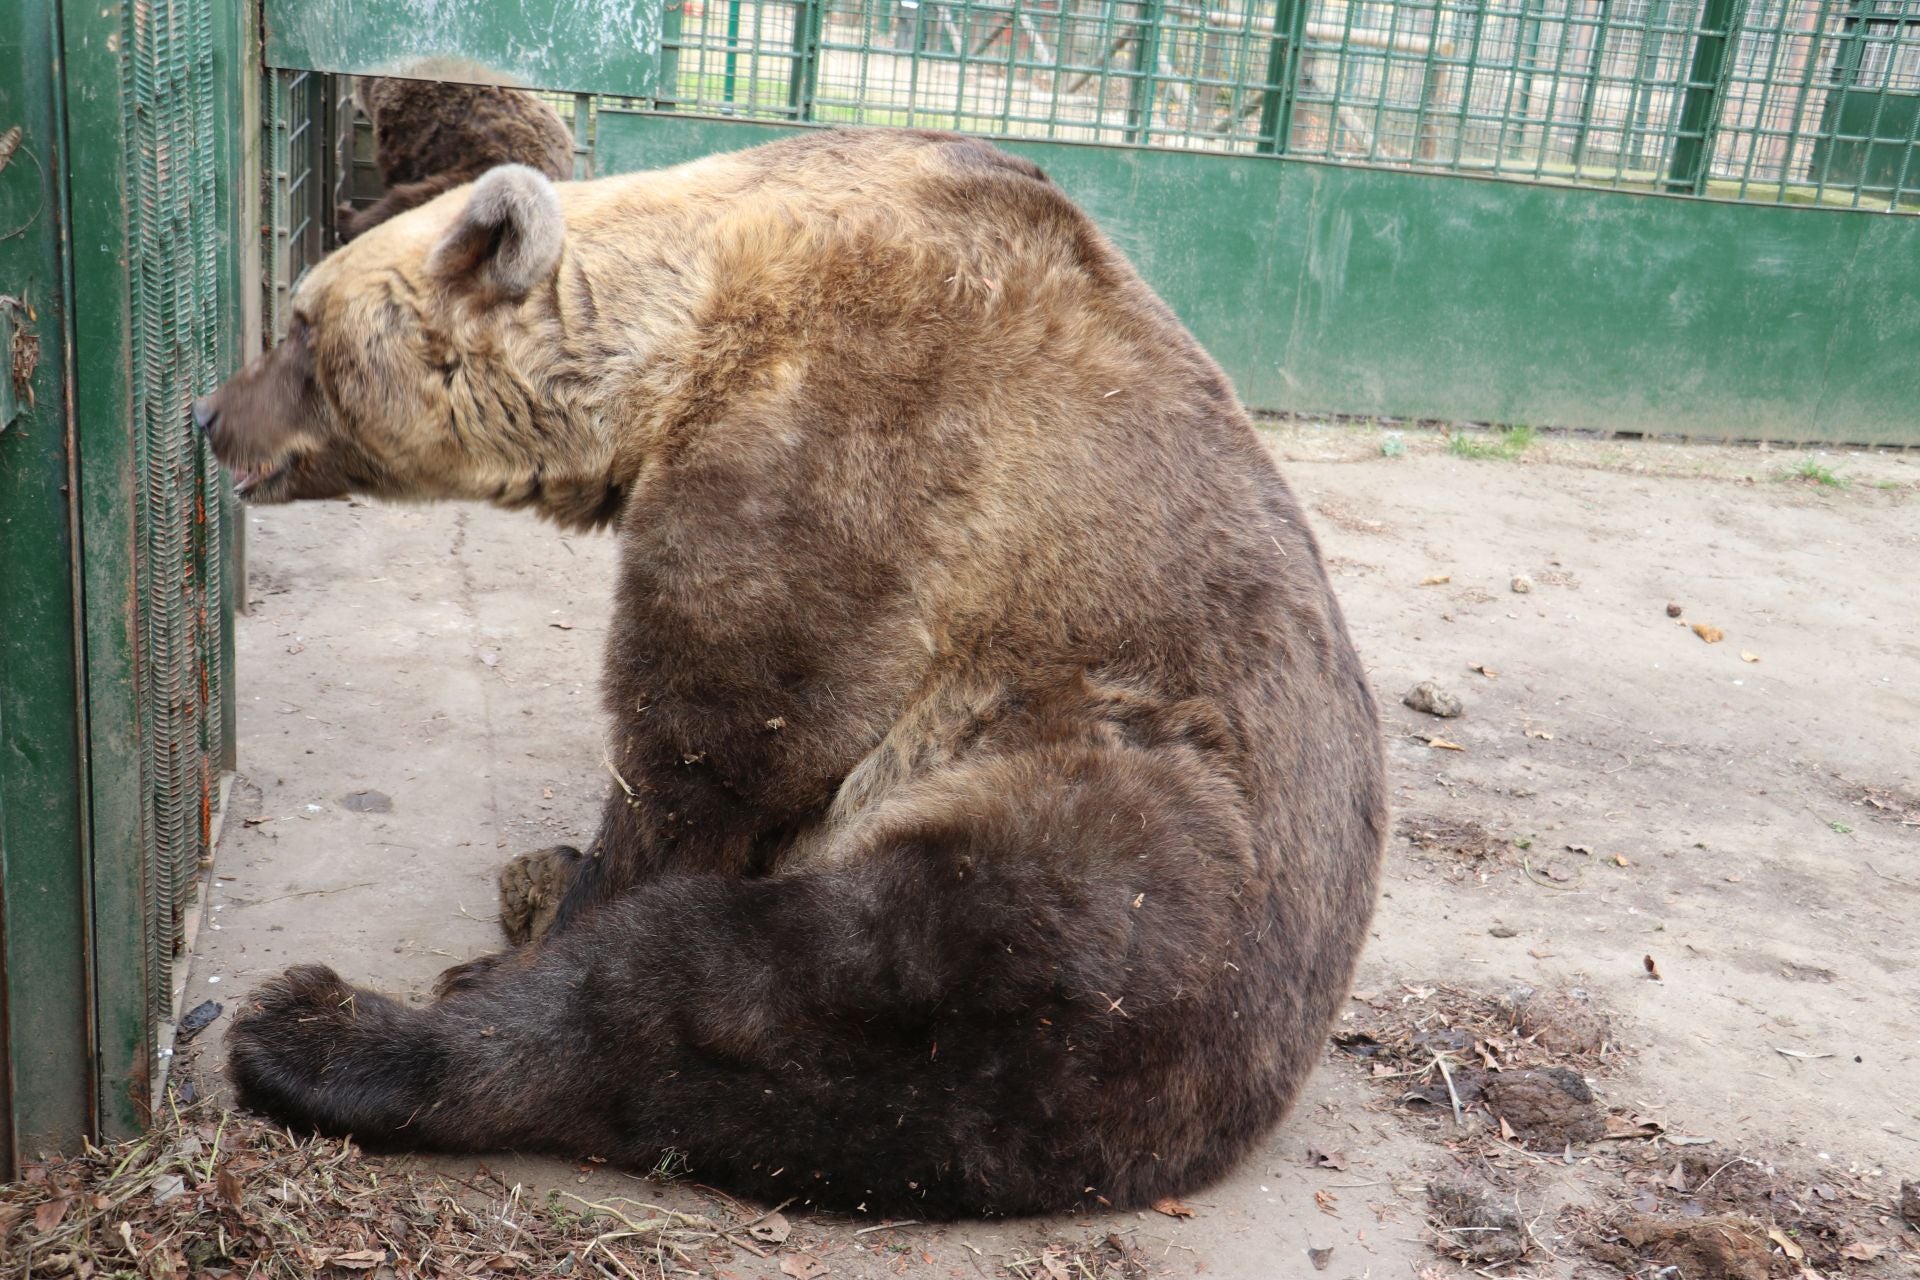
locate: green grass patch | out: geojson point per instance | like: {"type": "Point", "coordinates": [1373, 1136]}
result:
{"type": "Point", "coordinates": [1811, 471]}
{"type": "Point", "coordinates": [1503, 445]}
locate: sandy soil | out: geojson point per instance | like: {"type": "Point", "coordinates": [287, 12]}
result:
{"type": "Point", "coordinates": [1731, 813]}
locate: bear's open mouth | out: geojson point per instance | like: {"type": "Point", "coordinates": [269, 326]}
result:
{"type": "Point", "coordinates": [251, 480]}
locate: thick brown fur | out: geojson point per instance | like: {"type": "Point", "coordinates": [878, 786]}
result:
{"type": "Point", "coordinates": [997, 800]}
{"type": "Point", "coordinates": [439, 125]}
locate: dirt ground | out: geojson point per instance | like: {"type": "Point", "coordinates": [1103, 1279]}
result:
{"type": "Point", "coordinates": [1716, 845]}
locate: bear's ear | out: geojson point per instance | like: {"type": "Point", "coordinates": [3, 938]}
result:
{"type": "Point", "coordinates": [507, 239]}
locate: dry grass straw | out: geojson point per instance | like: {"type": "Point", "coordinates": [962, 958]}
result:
{"type": "Point", "coordinates": [211, 1193]}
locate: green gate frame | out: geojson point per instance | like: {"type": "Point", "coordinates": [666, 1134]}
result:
{"type": "Point", "coordinates": [91, 891]}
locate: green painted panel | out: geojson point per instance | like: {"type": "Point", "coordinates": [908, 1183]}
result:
{"type": "Point", "coordinates": [45, 1036]}
{"type": "Point", "coordinates": [585, 46]}
{"type": "Point", "coordinates": [1325, 288]}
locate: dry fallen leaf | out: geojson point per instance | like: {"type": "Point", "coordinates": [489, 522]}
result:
{"type": "Point", "coordinates": [1327, 1200]}
{"type": "Point", "coordinates": [1326, 1159]}
{"type": "Point", "coordinates": [228, 1184]}
{"type": "Point", "coordinates": [1862, 1251]}
{"type": "Point", "coordinates": [1620, 860]}
{"type": "Point", "coordinates": [1633, 1127]}
{"type": "Point", "coordinates": [1441, 744]}
{"type": "Point", "coordinates": [1580, 848]}
{"type": "Point", "coordinates": [1787, 1246]}
{"type": "Point", "coordinates": [802, 1266]}
{"type": "Point", "coordinates": [356, 1260]}
{"type": "Point", "coordinates": [772, 1229]}
{"type": "Point", "coordinates": [1484, 670]}
{"type": "Point", "coordinates": [1653, 970]}
{"type": "Point", "coordinates": [1711, 634]}
{"type": "Point", "coordinates": [1542, 734]}
{"type": "Point", "coordinates": [1749, 657]}
{"type": "Point", "coordinates": [1050, 1259]}
{"type": "Point", "coordinates": [1171, 1207]}
{"type": "Point", "coordinates": [561, 626]}
{"type": "Point", "coordinates": [1320, 1257]}
{"type": "Point", "coordinates": [48, 1215]}
{"type": "Point", "coordinates": [1436, 580]}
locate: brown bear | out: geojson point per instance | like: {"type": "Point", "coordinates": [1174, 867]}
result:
{"type": "Point", "coordinates": [432, 134]}
{"type": "Point", "coordinates": [997, 802]}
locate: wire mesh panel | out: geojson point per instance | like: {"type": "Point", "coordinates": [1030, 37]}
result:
{"type": "Point", "coordinates": [174, 239]}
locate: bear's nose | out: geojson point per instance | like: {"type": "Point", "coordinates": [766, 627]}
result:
{"type": "Point", "coordinates": [204, 413]}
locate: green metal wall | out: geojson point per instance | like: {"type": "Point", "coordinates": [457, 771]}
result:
{"type": "Point", "coordinates": [115, 707]}
{"type": "Point", "coordinates": [1354, 290]}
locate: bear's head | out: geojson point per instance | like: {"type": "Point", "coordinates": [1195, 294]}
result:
{"type": "Point", "coordinates": [406, 369]}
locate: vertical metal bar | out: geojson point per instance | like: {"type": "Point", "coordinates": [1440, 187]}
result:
{"type": "Point", "coordinates": [1700, 110]}
{"type": "Point", "coordinates": [1640, 105]}
{"type": "Point", "coordinates": [97, 112]}
{"type": "Point", "coordinates": [666, 86]}
{"type": "Point", "coordinates": [583, 107]}
{"type": "Point", "coordinates": [803, 76]}
{"type": "Point", "coordinates": [1146, 66]}
{"type": "Point", "coordinates": [733, 48]}
{"type": "Point", "coordinates": [1592, 93]}
{"type": "Point", "coordinates": [46, 1036]}
{"type": "Point", "coordinates": [1283, 71]}
{"type": "Point", "coordinates": [1528, 58]}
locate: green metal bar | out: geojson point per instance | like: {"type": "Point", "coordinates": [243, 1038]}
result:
{"type": "Point", "coordinates": [1640, 106]}
{"type": "Point", "coordinates": [733, 45]}
{"type": "Point", "coordinates": [1592, 93]}
{"type": "Point", "coordinates": [1706, 81]}
{"type": "Point", "coordinates": [804, 76]}
{"type": "Point", "coordinates": [45, 1022]}
{"type": "Point", "coordinates": [97, 112]}
{"type": "Point", "coordinates": [666, 92]}
{"type": "Point", "coordinates": [1529, 58]}
{"type": "Point", "coordinates": [1146, 65]}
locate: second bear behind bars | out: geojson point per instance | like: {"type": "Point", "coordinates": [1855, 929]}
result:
{"type": "Point", "coordinates": [439, 124]}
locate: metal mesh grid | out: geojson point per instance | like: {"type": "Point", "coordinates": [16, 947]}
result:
{"type": "Point", "coordinates": [1795, 101]}
{"type": "Point", "coordinates": [173, 235]}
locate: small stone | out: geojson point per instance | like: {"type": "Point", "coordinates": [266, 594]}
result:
{"type": "Point", "coordinates": [1910, 1203]}
{"type": "Point", "coordinates": [1673, 609]}
{"type": "Point", "coordinates": [1432, 699]}
{"type": "Point", "coordinates": [1504, 931]}
{"type": "Point", "coordinates": [1521, 584]}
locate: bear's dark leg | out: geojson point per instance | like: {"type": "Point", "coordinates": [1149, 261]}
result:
{"type": "Point", "coordinates": [943, 1025]}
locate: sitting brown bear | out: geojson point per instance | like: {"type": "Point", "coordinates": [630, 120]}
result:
{"type": "Point", "coordinates": [432, 134]}
{"type": "Point", "coordinates": [998, 799]}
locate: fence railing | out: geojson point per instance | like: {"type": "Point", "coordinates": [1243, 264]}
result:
{"type": "Point", "coordinates": [1784, 101]}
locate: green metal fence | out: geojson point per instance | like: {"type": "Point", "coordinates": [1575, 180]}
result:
{"type": "Point", "coordinates": [117, 203]}
{"type": "Point", "coordinates": [1792, 101]}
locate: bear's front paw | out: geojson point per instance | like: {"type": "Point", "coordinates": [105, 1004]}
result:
{"type": "Point", "coordinates": [532, 887]}
{"type": "Point", "coordinates": [284, 1040]}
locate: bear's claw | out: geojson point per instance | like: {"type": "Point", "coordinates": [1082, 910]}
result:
{"type": "Point", "coordinates": [532, 886]}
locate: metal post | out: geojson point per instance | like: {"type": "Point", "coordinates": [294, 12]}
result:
{"type": "Point", "coordinates": [666, 85]}
{"type": "Point", "coordinates": [1283, 77]}
{"type": "Point", "coordinates": [1641, 105]}
{"type": "Point", "coordinates": [803, 80]}
{"type": "Point", "coordinates": [1146, 65]}
{"type": "Point", "coordinates": [733, 48]}
{"type": "Point", "coordinates": [1588, 98]}
{"type": "Point", "coordinates": [1700, 111]}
